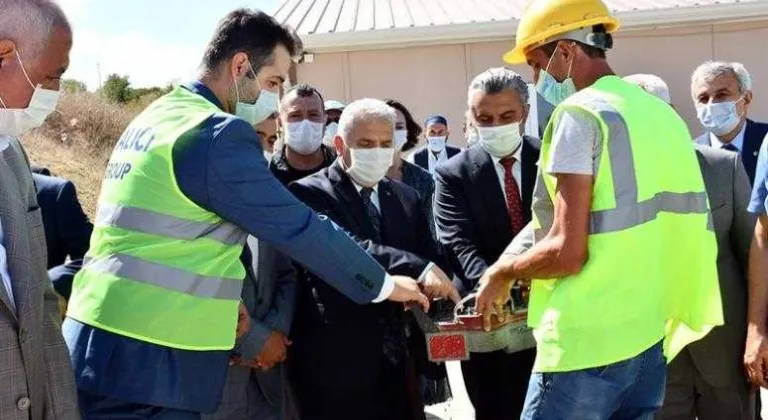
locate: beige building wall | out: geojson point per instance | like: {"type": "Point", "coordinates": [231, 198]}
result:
{"type": "Point", "coordinates": [434, 79]}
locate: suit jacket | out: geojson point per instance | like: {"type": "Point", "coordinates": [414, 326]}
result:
{"type": "Point", "coordinates": [471, 211]}
{"type": "Point", "coordinates": [334, 338]}
{"type": "Point", "coordinates": [269, 291]}
{"type": "Point", "coordinates": [719, 355]}
{"type": "Point", "coordinates": [37, 373]}
{"type": "Point", "coordinates": [421, 156]}
{"type": "Point", "coordinates": [754, 135]}
{"type": "Point", "coordinates": [67, 230]}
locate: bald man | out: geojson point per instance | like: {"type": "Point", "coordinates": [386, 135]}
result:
{"type": "Point", "coordinates": [37, 379]}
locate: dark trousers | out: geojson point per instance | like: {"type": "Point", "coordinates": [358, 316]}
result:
{"type": "Point", "coordinates": [388, 398]}
{"type": "Point", "coordinates": [497, 383]}
{"type": "Point", "coordinates": [97, 407]}
{"type": "Point", "coordinates": [689, 396]}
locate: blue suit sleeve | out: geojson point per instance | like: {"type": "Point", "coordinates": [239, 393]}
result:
{"type": "Point", "coordinates": [758, 204]}
{"type": "Point", "coordinates": [74, 227]}
{"type": "Point", "coordinates": [221, 167]}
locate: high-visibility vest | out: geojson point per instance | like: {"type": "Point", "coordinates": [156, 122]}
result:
{"type": "Point", "coordinates": [651, 271]}
{"type": "Point", "coordinates": [160, 268]}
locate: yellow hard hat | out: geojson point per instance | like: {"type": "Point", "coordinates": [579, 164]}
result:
{"type": "Point", "coordinates": [544, 19]}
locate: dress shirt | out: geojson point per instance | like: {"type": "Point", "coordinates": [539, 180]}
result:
{"type": "Point", "coordinates": [3, 255]}
{"type": "Point", "coordinates": [434, 160]}
{"type": "Point", "coordinates": [375, 202]}
{"type": "Point", "coordinates": [737, 141]}
{"type": "Point", "coordinates": [516, 171]}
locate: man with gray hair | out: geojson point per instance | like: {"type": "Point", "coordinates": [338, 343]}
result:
{"type": "Point", "coordinates": [722, 93]}
{"type": "Point", "coordinates": [652, 84]}
{"type": "Point", "coordinates": [482, 200]}
{"type": "Point", "coordinates": [350, 361]}
{"type": "Point", "coordinates": [35, 40]}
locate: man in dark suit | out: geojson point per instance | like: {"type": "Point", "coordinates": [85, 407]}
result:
{"type": "Point", "coordinates": [482, 200]}
{"type": "Point", "coordinates": [67, 229]}
{"type": "Point", "coordinates": [722, 93]}
{"type": "Point", "coordinates": [351, 361]}
{"type": "Point", "coordinates": [437, 149]}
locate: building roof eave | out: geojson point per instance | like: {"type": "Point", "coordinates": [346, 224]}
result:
{"type": "Point", "coordinates": [505, 30]}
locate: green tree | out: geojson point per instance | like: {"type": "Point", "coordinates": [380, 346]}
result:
{"type": "Point", "coordinates": [73, 86]}
{"type": "Point", "coordinates": [118, 89]}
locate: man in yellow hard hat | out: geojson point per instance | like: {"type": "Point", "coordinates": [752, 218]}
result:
{"type": "Point", "coordinates": [622, 256]}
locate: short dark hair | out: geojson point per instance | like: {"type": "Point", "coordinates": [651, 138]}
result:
{"type": "Point", "coordinates": [592, 52]}
{"type": "Point", "coordinates": [304, 90]}
{"type": "Point", "coordinates": [253, 32]}
{"type": "Point", "coordinates": [412, 127]}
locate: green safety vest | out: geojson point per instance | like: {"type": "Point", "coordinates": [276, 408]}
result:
{"type": "Point", "coordinates": [160, 268]}
{"type": "Point", "coordinates": [651, 272]}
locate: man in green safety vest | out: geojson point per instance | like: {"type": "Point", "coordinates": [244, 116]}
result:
{"type": "Point", "coordinates": [153, 313]}
{"type": "Point", "coordinates": [623, 257]}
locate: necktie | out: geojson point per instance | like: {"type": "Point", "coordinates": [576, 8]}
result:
{"type": "Point", "coordinates": [730, 147]}
{"type": "Point", "coordinates": [393, 345]}
{"type": "Point", "coordinates": [373, 212]}
{"type": "Point", "coordinates": [512, 192]}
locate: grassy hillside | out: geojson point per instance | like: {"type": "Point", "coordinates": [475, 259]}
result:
{"type": "Point", "coordinates": [76, 141]}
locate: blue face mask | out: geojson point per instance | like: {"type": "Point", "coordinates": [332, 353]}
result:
{"type": "Point", "coordinates": [259, 111]}
{"type": "Point", "coordinates": [719, 118]}
{"type": "Point", "coordinates": [553, 91]}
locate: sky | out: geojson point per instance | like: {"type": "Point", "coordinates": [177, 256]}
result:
{"type": "Point", "coordinates": [153, 42]}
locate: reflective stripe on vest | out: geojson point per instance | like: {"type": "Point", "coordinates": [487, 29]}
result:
{"type": "Point", "coordinates": [629, 212]}
{"type": "Point", "coordinates": [147, 221]}
{"type": "Point", "coordinates": [126, 266]}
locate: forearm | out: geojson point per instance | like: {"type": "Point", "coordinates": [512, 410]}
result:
{"type": "Point", "coordinates": [545, 260]}
{"type": "Point", "coordinates": [758, 284]}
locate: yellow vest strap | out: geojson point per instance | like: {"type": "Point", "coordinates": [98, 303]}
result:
{"type": "Point", "coordinates": [129, 267]}
{"type": "Point", "coordinates": [147, 221]}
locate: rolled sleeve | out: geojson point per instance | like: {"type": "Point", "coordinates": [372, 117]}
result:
{"type": "Point", "coordinates": [576, 143]}
{"type": "Point", "coordinates": [757, 203]}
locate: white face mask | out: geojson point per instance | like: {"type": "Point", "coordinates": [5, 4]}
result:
{"type": "Point", "coordinates": [330, 132]}
{"type": "Point", "coordinates": [304, 137]}
{"type": "Point", "coordinates": [500, 141]}
{"type": "Point", "coordinates": [268, 156]}
{"type": "Point", "coordinates": [370, 165]}
{"type": "Point", "coordinates": [719, 118]}
{"type": "Point", "coordinates": [401, 137]}
{"type": "Point", "coordinates": [436, 144]}
{"type": "Point", "coordinates": [265, 105]}
{"type": "Point", "coordinates": [15, 122]}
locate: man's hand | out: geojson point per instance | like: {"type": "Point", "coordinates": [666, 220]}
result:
{"type": "Point", "coordinates": [407, 290]}
{"type": "Point", "coordinates": [492, 295]}
{"type": "Point", "coordinates": [274, 351]}
{"type": "Point", "coordinates": [756, 357]}
{"type": "Point", "coordinates": [437, 285]}
{"type": "Point", "coordinates": [243, 321]}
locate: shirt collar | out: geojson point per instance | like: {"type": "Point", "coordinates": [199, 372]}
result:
{"type": "Point", "coordinates": [359, 187]}
{"type": "Point", "coordinates": [201, 89]}
{"type": "Point", "coordinates": [737, 141]}
{"type": "Point", "coordinates": [518, 154]}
